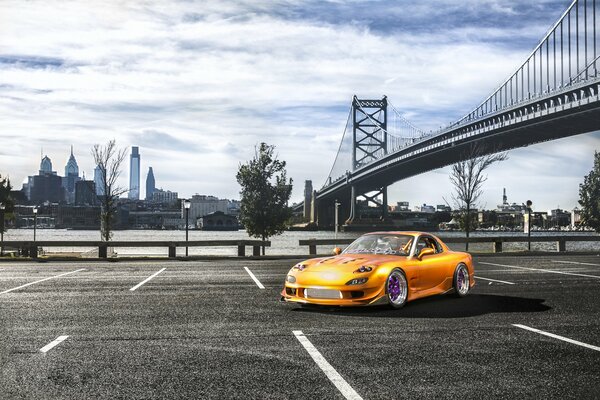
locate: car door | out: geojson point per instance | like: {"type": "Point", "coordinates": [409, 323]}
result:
{"type": "Point", "coordinates": [431, 268]}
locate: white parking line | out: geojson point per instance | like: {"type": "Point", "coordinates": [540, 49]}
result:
{"type": "Point", "coordinates": [540, 270]}
{"type": "Point", "coordinates": [260, 285]}
{"type": "Point", "coordinates": [331, 373]}
{"type": "Point", "coordinates": [552, 335]}
{"type": "Point", "coordinates": [575, 262]}
{"type": "Point", "coordinates": [41, 280]}
{"type": "Point", "coordinates": [146, 280]}
{"type": "Point", "coordinates": [494, 280]}
{"type": "Point", "coordinates": [53, 343]}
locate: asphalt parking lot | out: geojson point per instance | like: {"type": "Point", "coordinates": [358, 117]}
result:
{"type": "Point", "coordinates": [140, 330]}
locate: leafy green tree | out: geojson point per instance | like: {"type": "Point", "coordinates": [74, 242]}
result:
{"type": "Point", "coordinates": [589, 196]}
{"type": "Point", "coordinates": [109, 159]}
{"type": "Point", "coordinates": [265, 194]}
{"type": "Point", "coordinates": [5, 198]}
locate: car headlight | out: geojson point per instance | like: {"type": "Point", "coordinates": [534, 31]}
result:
{"type": "Point", "coordinates": [300, 267]}
{"type": "Point", "coordinates": [357, 281]}
{"type": "Point", "coordinates": [291, 279]}
{"type": "Point", "coordinates": [364, 268]}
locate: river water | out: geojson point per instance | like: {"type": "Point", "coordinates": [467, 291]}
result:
{"type": "Point", "coordinates": [286, 243]}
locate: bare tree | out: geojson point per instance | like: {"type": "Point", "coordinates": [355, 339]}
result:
{"type": "Point", "coordinates": [467, 177]}
{"type": "Point", "coordinates": [109, 159]}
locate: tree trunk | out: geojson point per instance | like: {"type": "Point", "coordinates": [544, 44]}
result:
{"type": "Point", "coordinates": [467, 227]}
{"type": "Point", "coordinates": [263, 246]}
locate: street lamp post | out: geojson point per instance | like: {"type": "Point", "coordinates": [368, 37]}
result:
{"type": "Point", "coordinates": [34, 248]}
{"type": "Point", "coordinates": [2, 208]}
{"type": "Point", "coordinates": [186, 205]}
{"type": "Point", "coordinates": [337, 205]}
{"type": "Point", "coordinates": [529, 203]}
{"type": "Point", "coordinates": [35, 211]}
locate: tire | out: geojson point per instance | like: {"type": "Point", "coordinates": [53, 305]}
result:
{"type": "Point", "coordinates": [396, 289]}
{"type": "Point", "coordinates": [461, 281]}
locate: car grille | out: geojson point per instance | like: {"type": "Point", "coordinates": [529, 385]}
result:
{"type": "Point", "coordinates": [322, 294]}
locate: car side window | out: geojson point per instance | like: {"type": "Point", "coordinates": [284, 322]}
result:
{"type": "Point", "coordinates": [428, 242]}
{"type": "Point", "coordinates": [436, 245]}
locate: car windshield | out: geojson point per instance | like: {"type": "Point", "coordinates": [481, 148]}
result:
{"type": "Point", "coordinates": [381, 244]}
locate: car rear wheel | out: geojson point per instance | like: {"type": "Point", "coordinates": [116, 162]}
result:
{"type": "Point", "coordinates": [461, 281]}
{"type": "Point", "coordinates": [396, 289]}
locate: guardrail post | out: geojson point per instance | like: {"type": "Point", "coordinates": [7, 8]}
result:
{"type": "Point", "coordinates": [497, 246]}
{"type": "Point", "coordinates": [172, 251]}
{"type": "Point", "coordinates": [241, 250]}
{"type": "Point", "coordinates": [561, 245]}
{"type": "Point", "coordinates": [103, 251]}
{"type": "Point", "coordinates": [256, 251]}
{"type": "Point", "coordinates": [312, 249]}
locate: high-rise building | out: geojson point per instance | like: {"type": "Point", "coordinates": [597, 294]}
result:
{"type": "Point", "coordinates": [46, 166]}
{"type": "Point", "coordinates": [71, 178]}
{"type": "Point", "coordinates": [85, 193]}
{"type": "Point", "coordinates": [150, 184]}
{"type": "Point", "coordinates": [98, 181]}
{"type": "Point", "coordinates": [134, 174]}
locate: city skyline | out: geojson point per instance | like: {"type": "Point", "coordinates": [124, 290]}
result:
{"type": "Point", "coordinates": [188, 86]}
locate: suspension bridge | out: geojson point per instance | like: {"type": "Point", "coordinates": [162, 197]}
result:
{"type": "Point", "coordinates": [553, 94]}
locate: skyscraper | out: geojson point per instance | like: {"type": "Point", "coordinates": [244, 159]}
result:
{"type": "Point", "coordinates": [134, 174]}
{"type": "Point", "coordinates": [150, 184]}
{"type": "Point", "coordinates": [71, 178]}
{"type": "Point", "coordinates": [98, 181]}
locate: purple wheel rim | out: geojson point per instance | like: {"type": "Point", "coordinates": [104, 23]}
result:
{"type": "Point", "coordinates": [396, 288]}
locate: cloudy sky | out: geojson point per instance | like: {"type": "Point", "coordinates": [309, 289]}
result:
{"type": "Point", "coordinates": [197, 84]}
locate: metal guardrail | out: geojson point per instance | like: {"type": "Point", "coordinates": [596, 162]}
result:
{"type": "Point", "coordinates": [497, 241]}
{"type": "Point", "coordinates": [31, 248]}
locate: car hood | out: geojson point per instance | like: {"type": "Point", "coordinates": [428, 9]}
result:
{"type": "Point", "coordinates": [349, 262]}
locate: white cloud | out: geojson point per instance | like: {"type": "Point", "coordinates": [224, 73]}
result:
{"type": "Point", "coordinates": [219, 77]}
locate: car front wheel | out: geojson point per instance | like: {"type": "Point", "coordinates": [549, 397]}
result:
{"type": "Point", "coordinates": [396, 288]}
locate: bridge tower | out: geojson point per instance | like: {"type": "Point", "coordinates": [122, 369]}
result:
{"type": "Point", "coordinates": [369, 143]}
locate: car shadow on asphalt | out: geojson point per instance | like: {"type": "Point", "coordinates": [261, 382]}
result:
{"type": "Point", "coordinates": [442, 307]}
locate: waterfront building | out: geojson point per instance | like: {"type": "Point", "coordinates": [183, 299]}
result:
{"type": "Point", "coordinates": [575, 218]}
{"type": "Point", "coordinates": [218, 221]}
{"type": "Point", "coordinates": [559, 218]}
{"type": "Point", "coordinates": [510, 208]}
{"type": "Point", "coordinates": [164, 196]}
{"type": "Point", "coordinates": [134, 174]}
{"type": "Point", "coordinates": [150, 184]}
{"type": "Point", "coordinates": [98, 181]}
{"type": "Point", "coordinates": [402, 206]}
{"type": "Point", "coordinates": [201, 205]}
{"type": "Point", "coordinates": [425, 209]}
{"type": "Point", "coordinates": [157, 219]}
{"type": "Point", "coordinates": [78, 217]}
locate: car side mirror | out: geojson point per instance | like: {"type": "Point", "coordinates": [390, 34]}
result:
{"type": "Point", "coordinates": [337, 251]}
{"type": "Point", "coordinates": [427, 251]}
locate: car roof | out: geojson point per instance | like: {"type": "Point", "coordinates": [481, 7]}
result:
{"type": "Point", "coordinates": [411, 233]}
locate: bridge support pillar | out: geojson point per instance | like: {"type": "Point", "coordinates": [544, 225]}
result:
{"type": "Point", "coordinates": [352, 205]}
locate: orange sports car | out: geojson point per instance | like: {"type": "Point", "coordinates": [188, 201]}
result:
{"type": "Point", "coordinates": [381, 268]}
